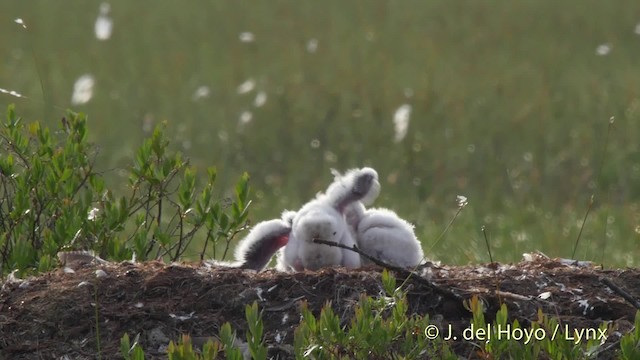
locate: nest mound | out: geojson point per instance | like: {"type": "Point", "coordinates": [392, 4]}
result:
{"type": "Point", "coordinates": [54, 315]}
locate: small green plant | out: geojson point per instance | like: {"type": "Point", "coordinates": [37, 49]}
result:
{"type": "Point", "coordinates": [630, 343]}
{"type": "Point", "coordinates": [380, 326]}
{"type": "Point", "coordinates": [254, 336]}
{"type": "Point", "coordinates": [153, 180]}
{"type": "Point", "coordinates": [545, 338]}
{"type": "Point", "coordinates": [47, 186]}
{"type": "Point", "coordinates": [502, 339]}
{"type": "Point", "coordinates": [184, 350]}
{"type": "Point", "coordinates": [228, 340]}
{"type": "Point", "coordinates": [51, 199]}
{"type": "Point", "coordinates": [131, 352]}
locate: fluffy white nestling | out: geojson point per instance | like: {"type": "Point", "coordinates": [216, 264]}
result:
{"type": "Point", "coordinates": [382, 234]}
{"type": "Point", "coordinates": [323, 218]}
{"type": "Point", "coordinates": [317, 220]}
{"type": "Point", "coordinates": [356, 185]}
{"type": "Point", "coordinates": [263, 241]}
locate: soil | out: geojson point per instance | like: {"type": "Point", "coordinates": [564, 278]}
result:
{"type": "Point", "coordinates": [53, 316]}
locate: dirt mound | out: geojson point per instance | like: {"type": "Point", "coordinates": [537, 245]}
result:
{"type": "Point", "coordinates": [54, 315]}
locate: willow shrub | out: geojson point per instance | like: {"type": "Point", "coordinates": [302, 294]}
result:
{"type": "Point", "coordinates": [53, 199]}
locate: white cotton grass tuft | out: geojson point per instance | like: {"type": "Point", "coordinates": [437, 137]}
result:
{"type": "Point", "coordinates": [245, 117]}
{"type": "Point", "coordinates": [462, 201]}
{"type": "Point", "coordinates": [201, 93]}
{"type": "Point", "coordinates": [401, 122]}
{"type": "Point", "coordinates": [247, 37]}
{"type": "Point", "coordinates": [603, 49]}
{"type": "Point", "coordinates": [246, 86]}
{"type": "Point", "coordinates": [103, 26]}
{"type": "Point", "coordinates": [260, 100]}
{"type": "Point", "coordinates": [312, 46]}
{"type": "Point", "coordinates": [637, 29]}
{"type": "Point", "coordinates": [83, 89]}
{"type": "Point", "coordinates": [12, 93]}
{"type": "Point", "coordinates": [20, 22]}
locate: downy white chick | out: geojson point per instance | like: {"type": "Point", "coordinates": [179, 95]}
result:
{"type": "Point", "coordinates": [323, 218]}
{"type": "Point", "coordinates": [281, 265]}
{"type": "Point", "coordinates": [381, 233]}
{"type": "Point", "coordinates": [265, 238]}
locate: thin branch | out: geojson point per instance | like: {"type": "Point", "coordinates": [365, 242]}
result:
{"type": "Point", "coordinates": [486, 240]}
{"type": "Point", "coordinates": [180, 238]}
{"type": "Point", "coordinates": [400, 271]}
{"type": "Point", "coordinates": [514, 296]}
{"type": "Point", "coordinates": [86, 175]}
{"type": "Point", "coordinates": [236, 231]}
{"type": "Point", "coordinates": [206, 243]}
{"type": "Point", "coordinates": [618, 290]}
{"type": "Point", "coordinates": [25, 162]}
{"type": "Point", "coordinates": [584, 221]}
{"type": "Point", "coordinates": [447, 227]}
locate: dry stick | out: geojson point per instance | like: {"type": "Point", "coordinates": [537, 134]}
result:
{"type": "Point", "coordinates": [499, 294]}
{"type": "Point", "coordinates": [584, 221]}
{"type": "Point", "coordinates": [486, 240]}
{"type": "Point", "coordinates": [514, 296]}
{"type": "Point", "coordinates": [446, 228]}
{"type": "Point", "coordinates": [618, 290]}
{"type": "Point", "coordinates": [402, 272]}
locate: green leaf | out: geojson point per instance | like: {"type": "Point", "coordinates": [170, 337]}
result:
{"type": "Point", "coordinates": [12, 119]}
{"type": "Point", "coordinates": [210, 350]}
{"type": "Point", "coordinates": [65, 175]}
{"type": "Point", "coordinates": [388, 282]}
{"type": "Point", "coordinates": [45, 263]}
{"type": "Point", "coordinates": [223, 222]}
{"type": "Point", "coordinates": [6, 165]}
{"type": "Point", "coordinates": [163, 238]}
{"type": "Point", "coordinates": [254, 338]}
{"type": "Point", "coordinates": [212, 172]}
{"type": "Point", "coordinates": [187, 186]}
{"type": "Point", "coordinates": [242, 189]}
{"type": "Point", "coordinates": [125, 345]}
{"type": "Point", "coordinates": [138, 353]}
{"type": "Point", "coordinates": [158, 142]}
{"type": "Point", "coordinates": [227, 337]}
{"type": "Point", "coordinates": [96, 183]}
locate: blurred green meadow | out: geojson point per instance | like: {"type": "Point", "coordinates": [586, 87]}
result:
{"type": "Point", "coordinates": [526, 108]}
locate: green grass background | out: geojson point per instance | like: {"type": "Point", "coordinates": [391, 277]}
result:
{"type": "Point", "coordinates": [511, 106]}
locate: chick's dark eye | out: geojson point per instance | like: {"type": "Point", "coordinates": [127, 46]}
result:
{"type": "Point", "coordinates": [334, 233]}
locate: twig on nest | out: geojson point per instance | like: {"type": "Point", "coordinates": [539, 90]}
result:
{"type": "Point", "coordinates": [398, 270]}
{"type": "Point", "coordinates": [513, 296]}
{"type": "Point", "coordinates": [618, 290]}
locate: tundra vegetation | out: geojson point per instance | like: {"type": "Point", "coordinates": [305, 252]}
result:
{"type": "Point", "coordinates": [506, 105]}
